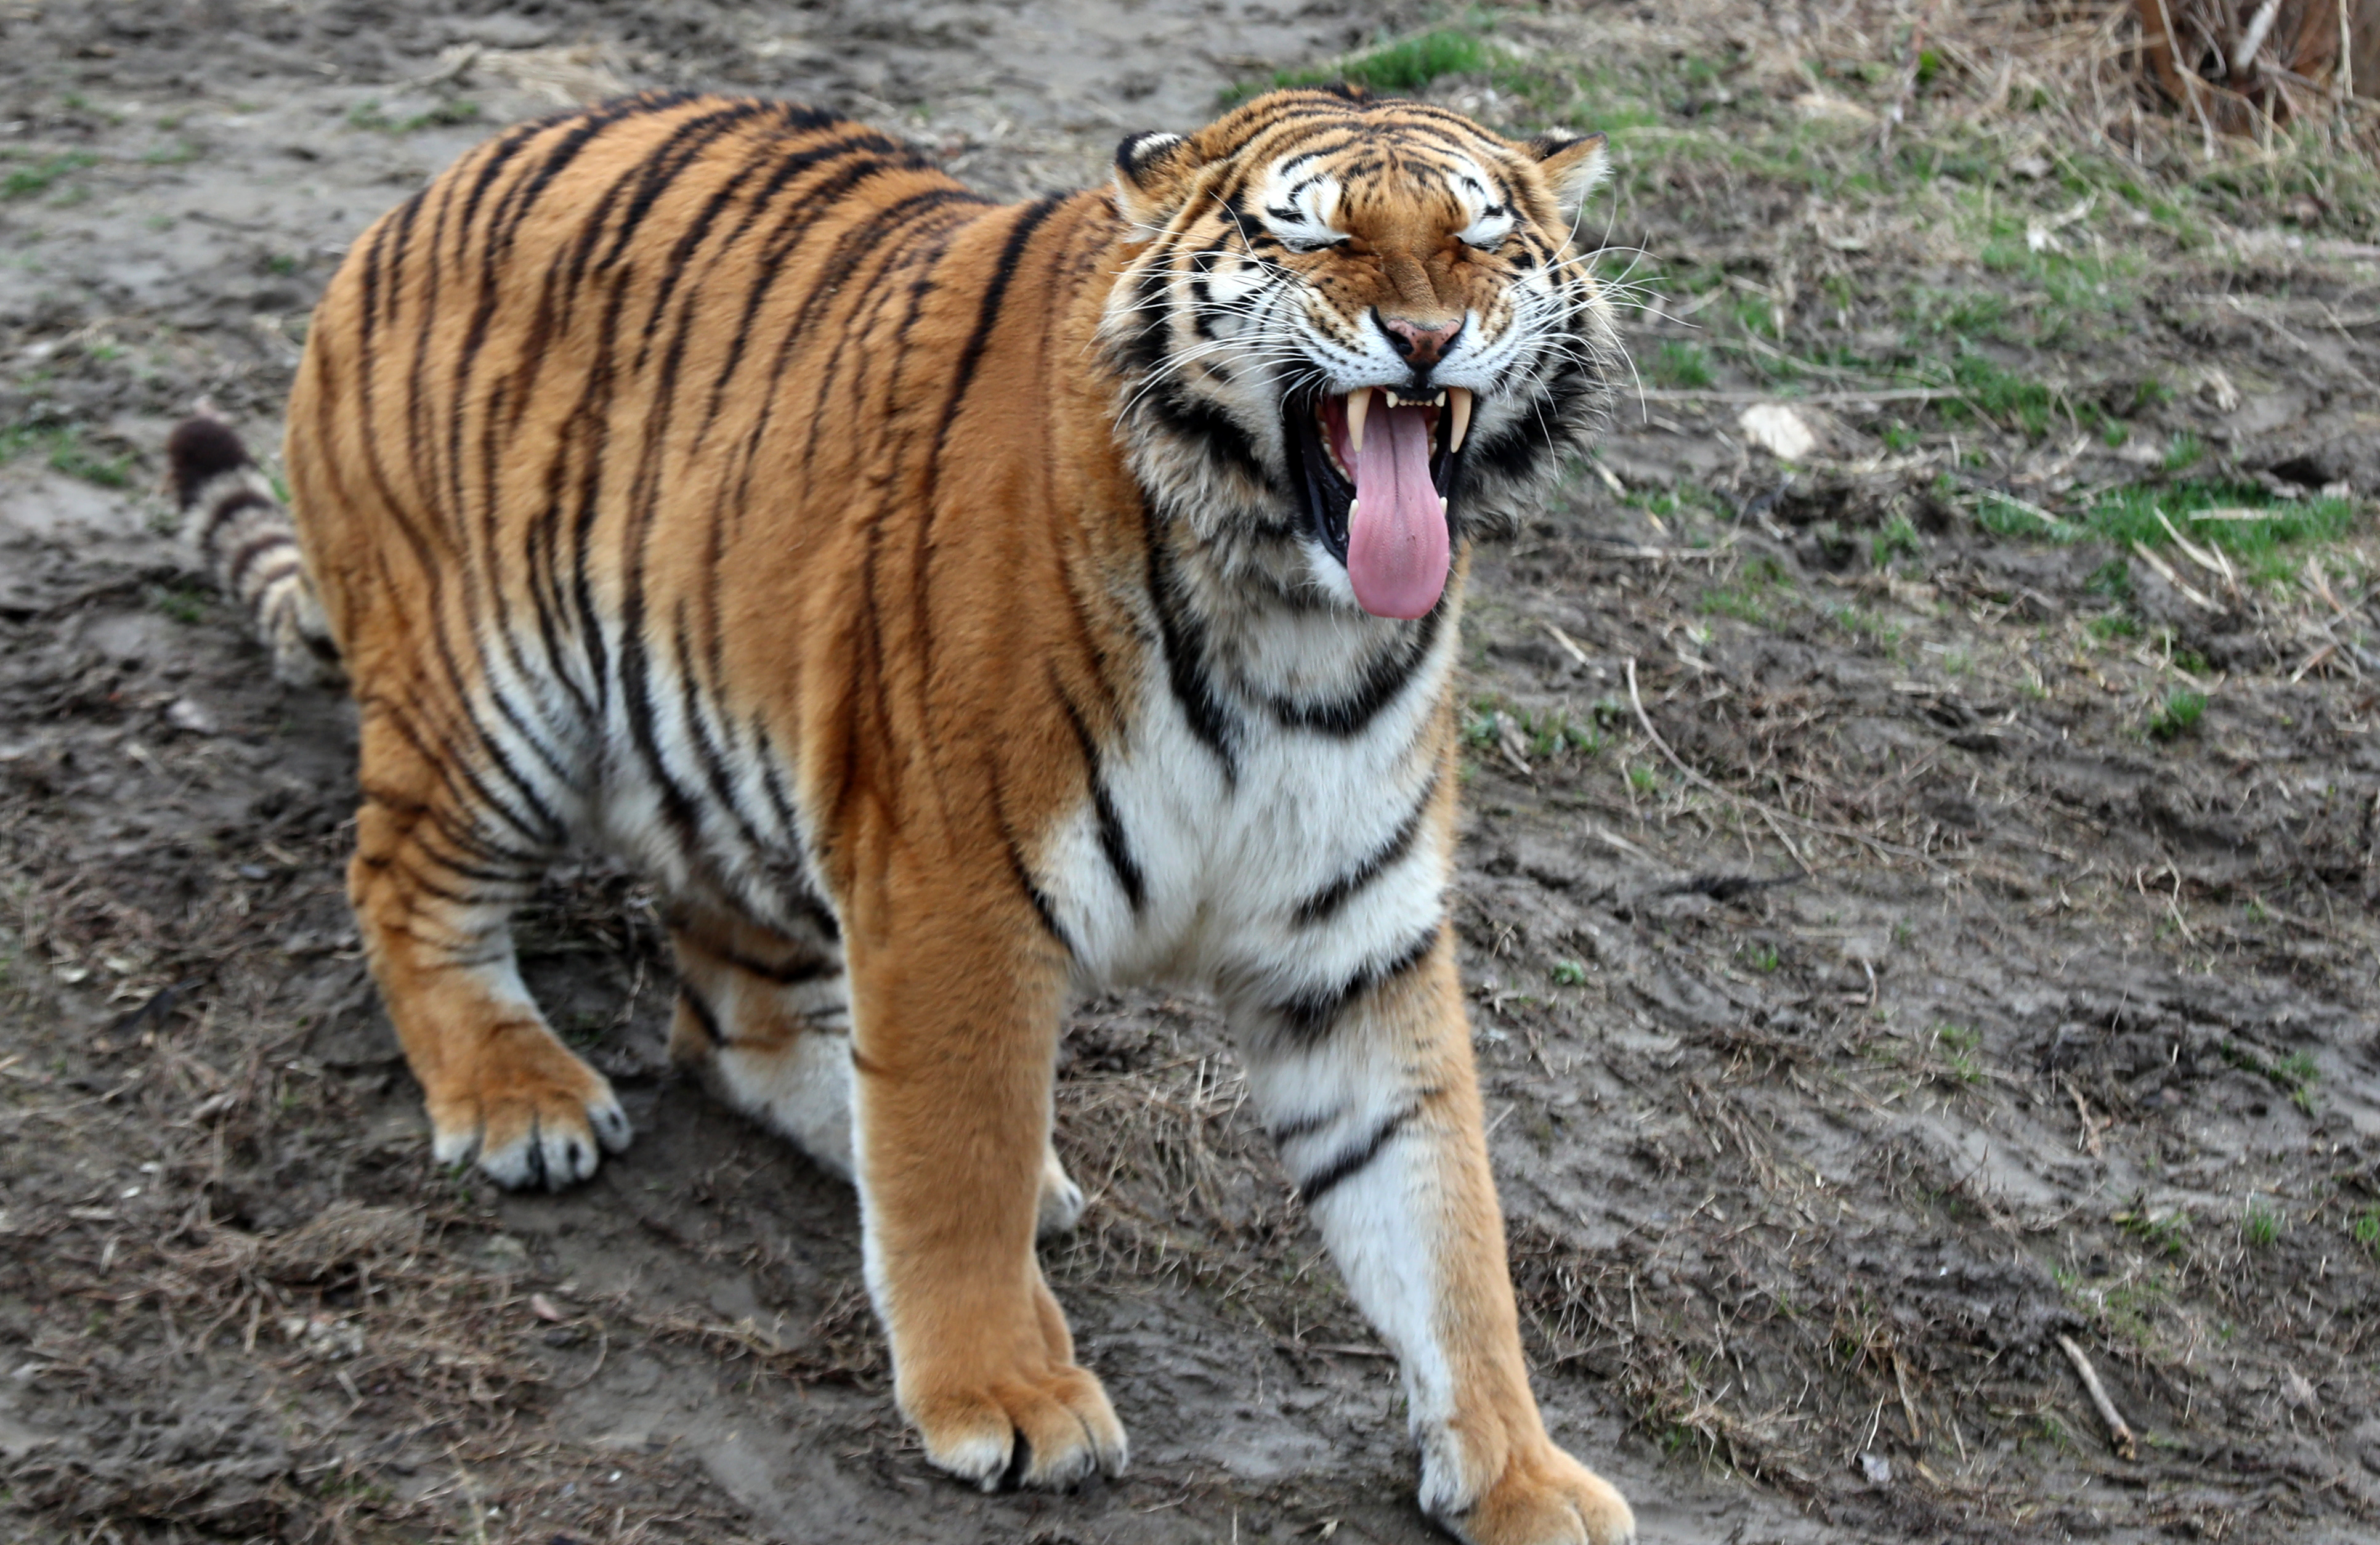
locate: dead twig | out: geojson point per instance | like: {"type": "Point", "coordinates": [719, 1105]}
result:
{"type": "Point", "coordinates": [2118, 1434]}
{"type": "Point", "coordinates": [1636, 700]}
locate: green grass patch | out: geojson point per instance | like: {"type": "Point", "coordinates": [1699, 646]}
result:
{"type": "Point", "coordinates": [1961, 315]}
{"type": "Point", "coordinates": [2262, 1224]}
{"type": "Point", "coordinates": [2241, 518]}
{"type": "Point", "coordinates": [186, 604]}
{"type": "Point", "coordinates": [2365, 1229]}
{"type": "Point", "coordinates": [1897, 539]}
{"type": "Point", "coordinates": [2004, 517]}
{"type": "Point", "coordinates": [1867, 627]}
{"type": "Point", "coordinates": [1587, 98]}
{"type": "Point", "coordinates": [23, 182]}
{"type": "Point", "coordinates": [1411, 64]}
{"type": "Point", "coordinates": [1757, 594]}
{"type": "Point", "coordinates": [64, 449]}
{"type": "Point", "coordinates": [1544, 731]}
{"type": "Point", "coordinates": [2006, 397]}
{"type": "Point", "coordinates": [1680, 365]}
{"type": "Point", "coordinates": [2167, 1232]}
{"type": "Point", "coordinates": [367, 114]}
{"type": "Point", "coordinates": [2178, 714]}
{"type": "Point", "coordinates": [1406, 65]}
{"type": "Point", "coordinates": [2294, 1074]}
{"type": "Point", "coordinates": [2077, 283]}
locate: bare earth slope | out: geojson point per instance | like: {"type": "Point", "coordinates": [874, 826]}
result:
{"type": "Point", "coordinates": [1909, 921]}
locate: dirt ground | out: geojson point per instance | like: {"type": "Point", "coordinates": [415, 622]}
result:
{"type": "Point", "coordinates": [1915, 907]}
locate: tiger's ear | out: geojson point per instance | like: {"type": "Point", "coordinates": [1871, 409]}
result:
{"type": "Point", "coordinates": [1575, 166]}
{"type": "Point", "coordinates": [1152, 177]}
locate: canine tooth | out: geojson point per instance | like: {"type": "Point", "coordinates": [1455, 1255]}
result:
{"type": "Point", "coordinates": [1458, 420]}
{"type": "Point", "coordinates": [1351, 512]}
{"type": "Point", "coordinates": [1359, 402]}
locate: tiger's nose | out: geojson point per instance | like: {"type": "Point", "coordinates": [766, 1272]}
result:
{"type": "Point", "coordinates": [1422, 344]}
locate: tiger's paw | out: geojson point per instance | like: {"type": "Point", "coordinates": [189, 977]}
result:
{"type": "Point", "coordinates": [1060, 1205]}
{"type": "Point", "coordinates": [1544, 1497]}
{"type": "Point", "coordinates": [544, 1120]}
{"type": "Point", "coordinates": [1047, 1431]}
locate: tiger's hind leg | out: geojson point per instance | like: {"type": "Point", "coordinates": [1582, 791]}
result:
{"type": "Point", "coordinates": [764, 1020]}
{"type": "Point", "coordinates": [444, 853]}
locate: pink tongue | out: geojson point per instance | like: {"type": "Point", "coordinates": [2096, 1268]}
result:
{"type": "Point", "coordinates": [1396, 536]}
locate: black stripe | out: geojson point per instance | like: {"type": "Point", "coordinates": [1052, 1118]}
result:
{"type": "Point", "coordinates": [421, 881]}
{"type": "Point", "coordinates": [987, 317]}
{"type": "Point", "coordinates": [515, 207]}
{"type": "Point", "coordinates": [704, 1019]}
{"type": "Point", "coordinates": [1034, 894]}
{"type": "Point", "coordinates": [663, 164]}
{"type": "Point", "coordinates": [813, 205]}
{"type": "Point", "coordinates": [682, 253]}
{"type": "Point", "coordinates": [707, 751]}
{"type": "Point", "coordinates": [494, 159]}
{"type": "Point", "coordinates": [839, 275]}
{"type": "Point", "coordinates": [1325, 904]}
{"type": "Point", "coordinates": [1112, 842]}
{"type": "Point", "coordinates": [1118, 853]}
{"type": "Point", "coordinates": [1214, 431]}
{"type": "Point", "coordinates": [230, 505]}
{"type": "Point", "coordinates": [814, 968]}
{"type": "Point", "coordinates": [1304, 1127]}
{"type": "Point", "coordinates": [234, 568]}
{"type": "Point", "coordinates": [1029, 219]}
{"type": "Point", "coordinates": [1384, 680]}
{"type": "Point", "coordinates": [252, 588]}
{"type": "Point", "coordinates": [1184, 641]}
{"type": "Point", "coordinates": [1352, 1159]}
{"type": "Point", "coordinates": [1311, 1015]}
{"type": "Point", "coordinates": [494, 243]}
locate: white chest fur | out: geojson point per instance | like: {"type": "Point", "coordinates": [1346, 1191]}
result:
{"type": "Point", "coordinates": [1281, 861]}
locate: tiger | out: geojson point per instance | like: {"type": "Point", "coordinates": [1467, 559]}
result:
{"type": "Point", "coordinates": [954, 609]}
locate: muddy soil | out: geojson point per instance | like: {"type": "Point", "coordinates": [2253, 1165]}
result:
{"type": "Point", "coordinates": [1874, 980]}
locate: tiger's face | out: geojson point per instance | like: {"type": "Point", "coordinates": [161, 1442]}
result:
{"type": "Point", "coordinates": [1351, 330]}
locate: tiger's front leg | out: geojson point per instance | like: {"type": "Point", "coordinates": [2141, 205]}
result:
{"type": "Point", "coordinates": [956, 988]}
{"type": "Point", "coordinates": [1374, 1105]}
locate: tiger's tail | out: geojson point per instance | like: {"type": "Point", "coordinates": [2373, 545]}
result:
{"type": "Point", "coordinates": [229, 513]}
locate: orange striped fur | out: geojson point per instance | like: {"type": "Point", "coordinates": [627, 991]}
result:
{"type": "Point", "coordinates": [953, 608]}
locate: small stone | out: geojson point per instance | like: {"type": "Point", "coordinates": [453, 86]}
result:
{"type": "Point", "coordinates": [1778, 429]}
{"type": "Point", "coordinates": [190, 717]}
{"type": "Point", "coordinates": [2298, 1390]}
{"type": "Point", "coordinates": [1878, 1468]}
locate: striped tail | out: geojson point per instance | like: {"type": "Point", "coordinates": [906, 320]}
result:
{"type": "Point", "coordinates": [240, 529]}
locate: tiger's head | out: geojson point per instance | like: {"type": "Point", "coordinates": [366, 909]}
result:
{"type": "Point", "coordinates": [1350, 331]}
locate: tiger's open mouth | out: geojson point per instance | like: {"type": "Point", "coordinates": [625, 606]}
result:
{"type": "Point", "coordinates": [1378, 469]}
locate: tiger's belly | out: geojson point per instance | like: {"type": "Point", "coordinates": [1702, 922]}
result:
{"type": "Point", "coordinates": [1284, 864]}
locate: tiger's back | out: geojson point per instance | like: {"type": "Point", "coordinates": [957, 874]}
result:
{"type": "Point", "coordinates": [582, 428]}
